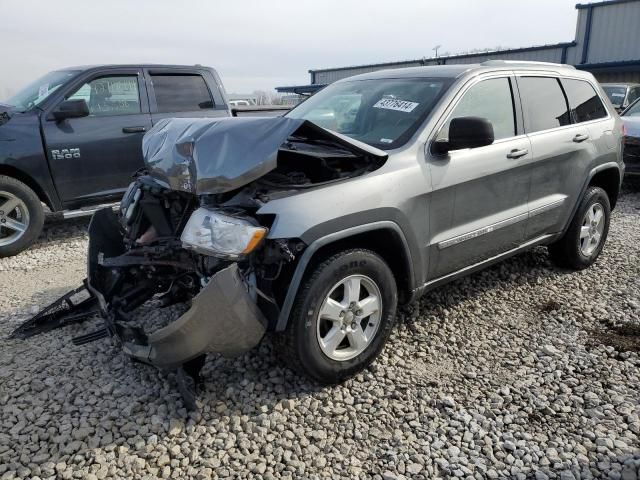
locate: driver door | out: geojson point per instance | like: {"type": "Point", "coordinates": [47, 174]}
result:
{"type": "Point", "coordinates": [93, 158]}
{"type": "Point", "coordinates": [479, 203]}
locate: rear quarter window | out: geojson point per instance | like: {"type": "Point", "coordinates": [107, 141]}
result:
{"type": "Point", "coordinates": [584, 102]}
{"type": "Point", "coordinates": [543, 103]}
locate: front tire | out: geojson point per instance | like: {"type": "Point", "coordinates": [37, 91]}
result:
{"type": "Point", "coordinates": [21, 216]}
{"type": "Point", "coordinates": [342, 316]}
{"type": "Point", "coordinates": [584, 240]}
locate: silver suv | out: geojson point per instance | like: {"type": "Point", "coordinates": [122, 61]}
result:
{"type": "Point", "coordinates": [318, 224]}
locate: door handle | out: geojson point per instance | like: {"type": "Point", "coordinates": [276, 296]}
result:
{"type": "Point", "coordinates": [517, 153]}
{"type": "Point", "coordinates": [134, 129]}
{"type": "Point", "coordinates": [581, 137]}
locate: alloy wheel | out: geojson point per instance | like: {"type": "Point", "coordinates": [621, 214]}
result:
{"type": "Point", "coordinates": [592, 229]}
{"type": "Point", "coordinates": [349, 317]}
{"type": "Point", "coordinates": [14, 218]}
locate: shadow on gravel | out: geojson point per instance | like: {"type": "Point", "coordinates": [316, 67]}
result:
{"type": "Point", "coordinates": [624, 338]}
{"type": "Point", "coordinates": [528, 267]}
{"type": "Point", "coordinates": [56, 228]}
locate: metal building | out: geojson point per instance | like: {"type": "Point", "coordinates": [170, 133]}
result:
{"type": "Point", "coordinates": [607, 44]}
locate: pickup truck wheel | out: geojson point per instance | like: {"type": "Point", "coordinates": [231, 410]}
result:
{"type": "Point", "coordinates": [21, 216]}
{"type": "Point", "coordinates": [342, 316]}
{"type": "Point", "coordinates": [584, 240]}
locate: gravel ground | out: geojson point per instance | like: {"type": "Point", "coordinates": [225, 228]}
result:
{"type": "Point", "coordinates": [521, 371]}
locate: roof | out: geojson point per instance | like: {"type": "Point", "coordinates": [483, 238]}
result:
{"type": "Point", "coordinates": [580, 6]}
{"type": "Point", "coordinates": [444, 71]}
{"type": "Point", "coordinates": [131, 65]}
{"type": "Point", "coordinates": [457, 70]}
{"type": "Point", "coordinates": [302, 89]}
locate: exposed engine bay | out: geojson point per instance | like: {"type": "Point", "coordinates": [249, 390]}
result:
{"type": "Point", "coordinates": [189, 232]}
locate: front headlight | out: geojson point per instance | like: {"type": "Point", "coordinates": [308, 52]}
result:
{"type": "Point", "coordinates": [212, 233]}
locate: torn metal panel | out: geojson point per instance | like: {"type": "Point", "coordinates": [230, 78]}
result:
{"type": "Point", "coordinates": [223, 319]}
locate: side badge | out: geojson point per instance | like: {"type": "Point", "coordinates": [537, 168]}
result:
{"type": "Point", "coordinates": [65, 153]}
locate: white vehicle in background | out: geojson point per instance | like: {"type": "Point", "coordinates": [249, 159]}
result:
{"type": "Point", "coordinates": [239, 103]}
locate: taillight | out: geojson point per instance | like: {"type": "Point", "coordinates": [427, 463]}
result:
{"type": "Point", "coordinates": [624, 130]}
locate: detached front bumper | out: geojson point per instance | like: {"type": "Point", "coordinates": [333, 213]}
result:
{"type": "Point", "coordinates": [223, 317]}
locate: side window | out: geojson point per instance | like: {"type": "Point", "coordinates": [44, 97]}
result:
{"type": "Point", "coordinates": [633, 94]}
{"type": "Point", "coordinates": [584, 102]}
{"type": "Point", "coordinates": [181, 93]}
{"type": "Point", "coordinates": [543, 103]}
{"type": "Point", "coordinates": [490, 99]}
{"type": "Point", "coordinates": [116, 95]}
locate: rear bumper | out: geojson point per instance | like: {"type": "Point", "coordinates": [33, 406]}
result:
{"type": "Point", "coordinates": [223, 317]}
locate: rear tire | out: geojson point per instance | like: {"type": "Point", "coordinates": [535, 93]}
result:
{"type": "Point", "coordinates": [21, 216]}
{"type": "Point", "coordinates": [584, 240]}
{"type": "Point", "coordinates": [342, 316]}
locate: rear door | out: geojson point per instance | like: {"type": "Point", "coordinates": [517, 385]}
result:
{"type": "Point", "coordinates": [184, 93]}
{"type": "Point", "coordinates": [479, 199]}
{"type": "Point", "coordinates": [93, 158]}
{"type": "Point", "coordinates": [562, 148]}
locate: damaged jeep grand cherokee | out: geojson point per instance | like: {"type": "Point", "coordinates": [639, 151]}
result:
{"type": "Point", "coordinates": [317, 224]}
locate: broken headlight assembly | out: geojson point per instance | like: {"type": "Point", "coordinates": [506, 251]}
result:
{"type": "Point", "coordinates": [210, 232]}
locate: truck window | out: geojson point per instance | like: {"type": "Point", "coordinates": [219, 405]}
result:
{"type": "Point", "coordinates": [490, 99]}
{"type": "Point", "coordinates": [181, 93]}
{"type": "Point", "coordinates": [616, 94]}
{"type": "Point", "coordinates": [543, 103]}
{"type": "Point", "coordinates": [584, 102]}
{"type": "Point", "coordinates": [110, 95]}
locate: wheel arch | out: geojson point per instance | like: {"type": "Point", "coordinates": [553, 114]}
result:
{"type": "Point", "coordinates": [13, 172]}
{"type": "Point", "coordinates": [608, 178]}
{"type": "Point", "coordinates": [385, 238]}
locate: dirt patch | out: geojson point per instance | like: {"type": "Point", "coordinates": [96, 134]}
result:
{"type": "Point", "coordinates": [624, 338]}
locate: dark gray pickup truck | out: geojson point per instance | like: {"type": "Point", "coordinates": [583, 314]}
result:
{"type": "Point", "coordinates": [72, 139]}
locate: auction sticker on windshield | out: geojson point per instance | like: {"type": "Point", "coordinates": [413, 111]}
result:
{"type": "Point", "coordinates": [394, 104]}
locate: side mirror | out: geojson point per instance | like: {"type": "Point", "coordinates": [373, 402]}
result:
{"type": "Point", "coordinates": [71, 109]}
{"type": "Point", "coordinates": [466, 132]}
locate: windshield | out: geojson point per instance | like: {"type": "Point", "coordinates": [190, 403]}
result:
{"type": "Point", "coordinates": [382, 112]}
{"type": "Point", "coordinates": [615, 93]}
{"type": "Point", "coordinates": [633, 110]}
{"type": "Point", "coordinates": [36, 92]}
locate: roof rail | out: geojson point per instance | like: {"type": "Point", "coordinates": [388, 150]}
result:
{"type": "Point", "coordinates": [490, 63]}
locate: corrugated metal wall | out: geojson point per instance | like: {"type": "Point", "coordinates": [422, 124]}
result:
{"type": "Point", "coordinates": [617, 77]}
{"type": "Point", "coordinates": [615, 33]}
{"type": "Point", "coordinates": [614, 36]}
{"type": "Point", "coordinates": [574, 53]}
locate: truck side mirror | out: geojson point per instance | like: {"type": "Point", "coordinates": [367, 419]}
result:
{"type": "Point", "coordinates": [71, 109]}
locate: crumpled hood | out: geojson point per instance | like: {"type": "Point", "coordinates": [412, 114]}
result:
{"type": "Point", "coordinates": [216, 155]}
{"type": "Point", "coordinates": [632, 126]}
